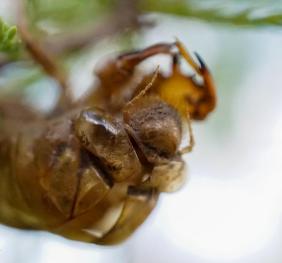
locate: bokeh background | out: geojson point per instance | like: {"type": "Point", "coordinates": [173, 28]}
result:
{"type": "Point", "coordinates": [230, 208]}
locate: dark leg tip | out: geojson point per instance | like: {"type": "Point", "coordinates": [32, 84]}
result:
{"type": "Point", "coordinates": [201, 61]}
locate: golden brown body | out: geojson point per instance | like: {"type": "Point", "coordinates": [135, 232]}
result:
{"type": "Point", "coordinates": [95, 174]}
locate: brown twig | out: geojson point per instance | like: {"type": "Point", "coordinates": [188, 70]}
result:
{"type": "Point", "coordinates": [124, 17]}
{"type": "Point", "coordinates": [41, 56]}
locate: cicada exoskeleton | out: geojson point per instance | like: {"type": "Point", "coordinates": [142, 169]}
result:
{"type": "Point", "coordinates": [93, 172]}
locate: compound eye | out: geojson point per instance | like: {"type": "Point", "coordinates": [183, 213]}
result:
{"type": "Point", "coordinates": [156, 127]}
{"type": "Point", "coordinates": [162, 138]}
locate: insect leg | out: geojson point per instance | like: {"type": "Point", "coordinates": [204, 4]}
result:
{"type": "Point", "coordinates": [208, 100]}
{"type": "Point", "coordinates": [120, 69]}
{"type": "Point", "coordinates": [167, 177]}
{"type": "Point", "coordinates": [187, 56]}
{"type": "Point", "coordinates": [191, 144]}
{"type": "Point", "coordinates": [137, 207]}
{"type": "Point", "coordinates": [117, 79]}
{"type": "Point", "coordinates": [129, 60]}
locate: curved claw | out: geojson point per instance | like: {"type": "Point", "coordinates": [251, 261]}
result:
{"type": "Point", "coordinates": [209, 87]}
{"type": "Point", "coordinates": [203, 65]}
{"type": "Point", "coordinates": [208, 100]}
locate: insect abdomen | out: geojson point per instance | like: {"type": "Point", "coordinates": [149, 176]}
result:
{"type": "Point", "coordinates": [51, 179]}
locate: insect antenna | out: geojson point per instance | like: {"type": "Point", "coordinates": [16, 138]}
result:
{"type": "Point", "coordinates": [141, 93]}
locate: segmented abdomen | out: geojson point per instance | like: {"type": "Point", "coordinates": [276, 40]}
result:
{"type": "Point", "coordinates": [50, 181]}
